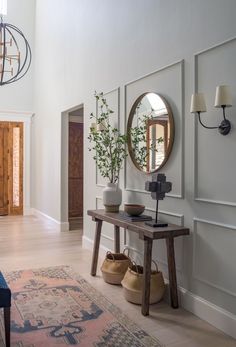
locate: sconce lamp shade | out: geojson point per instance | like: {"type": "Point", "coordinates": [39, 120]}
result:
{"type": "Point", "coordinates": [97, 127]}
{"type": "Point", "coordinates": [198, 103]}
{"type": "Point", "coordinates": [223, 96]}
{"type": "Point", "coordinates": [93, 126]}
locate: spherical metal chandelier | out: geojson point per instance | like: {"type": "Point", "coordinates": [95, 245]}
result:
{"type": "Point", "coordinates": [15, 52]}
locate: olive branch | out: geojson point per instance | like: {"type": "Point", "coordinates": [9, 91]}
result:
{"type": "Point", "coordinates": [108, 143]}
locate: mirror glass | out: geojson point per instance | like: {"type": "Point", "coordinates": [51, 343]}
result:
{"type": "Point", "coordinates": [150, 132]}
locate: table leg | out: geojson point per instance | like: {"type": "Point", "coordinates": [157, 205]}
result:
{"type": "Point", "coordinates": [146, 275]}
{"type": "Point", "coordinates": [96, 247]}
{"type": "Point", "coordinates": [172, 272]}
{"type": "Point", "coordinates": [116, 239]}
{"type": "Point", "coordinates": [7, 323]}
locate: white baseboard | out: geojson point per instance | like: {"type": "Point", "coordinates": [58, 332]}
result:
{"type": "Point", "coordinates": [215, 315]}
{"type": "Point", "coordinates": [62, 226]}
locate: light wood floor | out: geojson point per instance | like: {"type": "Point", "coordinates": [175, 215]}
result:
{"type": "Point", "coordinates": [28, 242]}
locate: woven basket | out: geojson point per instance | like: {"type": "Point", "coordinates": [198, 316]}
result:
{"type": "Point", "coordinates": [133, 281]}
{"type": "Point", "coordinates": [114, 267]}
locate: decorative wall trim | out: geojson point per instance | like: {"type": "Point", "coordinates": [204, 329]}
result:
{"type": "Point", "coordinates": [202, 308]}
{"type": "Point", "coordinates": [98, 184]}
{"type": "Point", "coordinates": [161, 261]}
{"type": "Point", "coordinates": [141, 191]}
{"type": "Point", "coordinates": [197, 277]}
{"type": "Point", "coordinates": [218, 202]}
{"type": "Point", "coordinates": [61, 226]}
{"type": "Point", "coordinates": [196, 197]}
{"type": "Point", "coordinates": [172, 214]}
{"type": "Point", "coordinates": [98, 198]}
{"type": "Point", "coordinates": [118, 121]}
{"type": "Point", "coordinates": [182, 110]}
{"type": "Point", "coordinates": [177, 215]}
{"type": "Point", "coordinates": [103, 235]}
{"type": "Point", "coordinates": [216, 46]}
{"type": "Point", "coordinates": [180, 216]}
{"type": "Point", "coordinates": [26, 119]}
{"type": "Point", "coordinates": [107, 237]}
{"type": "Point", "coordinates": [155, 71]}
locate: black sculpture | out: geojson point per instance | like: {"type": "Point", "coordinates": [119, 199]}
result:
{"type": "Point", "coordinates": [158, 188]}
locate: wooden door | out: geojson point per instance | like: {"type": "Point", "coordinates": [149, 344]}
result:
{"type": "Point", "coordinates": [15, 168]}
{"type": "Point", "coordinates": [75, 169]}
{"type": "Point", "coordinates": [11, 168]}
{"type": "Point", "coordinates": [3, 168]}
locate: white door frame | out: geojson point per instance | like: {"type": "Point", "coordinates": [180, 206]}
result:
{"type": "Point", "coordinates": [64, 163]}
{"type": "Point", "coordinates": [25, 118]}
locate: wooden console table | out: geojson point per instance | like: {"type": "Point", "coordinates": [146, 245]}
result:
{"type": "Point", "coordinates": [147, 234]}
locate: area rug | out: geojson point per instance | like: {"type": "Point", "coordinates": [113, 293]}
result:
{"type": "Point", "coordinates": [56, 307]}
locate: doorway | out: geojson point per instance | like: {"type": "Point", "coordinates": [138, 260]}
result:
{"type": "Point", "coordinates": [75, 169]}
{"type": "Point", "coordinates": [11, 168]}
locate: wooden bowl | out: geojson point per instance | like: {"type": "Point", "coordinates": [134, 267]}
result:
{"type": "Point", "coordinates": [134, 209]}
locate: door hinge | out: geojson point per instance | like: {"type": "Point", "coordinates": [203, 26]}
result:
{"type": "Point", "coordinates": [8, 202]}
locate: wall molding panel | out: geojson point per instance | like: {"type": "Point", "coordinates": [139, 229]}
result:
{"type": "Point", "coordinates": [104, 236]}
{"type": "Point", "coordinates": [180, 65]}
{"type": "Point", "coordinates": [97, 199]}
{"type": "Point", "coordinates": [197, 196]}
{"type": "Point", "coordinates": [202, 308]}
{"type": "Point", "coordinates": [117, 91]}
{"type": "Point", "coordinates": [167, 213]}
{"type": "Point", "coordinates": [194, 271]}
{"type": "Point", "coordinates": [181, 223]}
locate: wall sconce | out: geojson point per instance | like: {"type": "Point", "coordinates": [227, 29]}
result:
{"type": "Point", "coordinates": [97, 126]}
{"type": "Point", "coordinates": [223, 99]}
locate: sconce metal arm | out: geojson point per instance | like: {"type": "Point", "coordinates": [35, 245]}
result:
{"type": "Point", "coordinates": [223, 107]}
{"type": "Point", "coordinates": [205, 126]}
{"type": "Point", "coordinates": [224, 127]}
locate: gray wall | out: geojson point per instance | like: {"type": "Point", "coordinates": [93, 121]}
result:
{"type": "Point", "coordinates": [82, 46]}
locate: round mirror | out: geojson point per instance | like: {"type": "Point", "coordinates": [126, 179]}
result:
{"type": "Point", "coordinates": [150, 132]}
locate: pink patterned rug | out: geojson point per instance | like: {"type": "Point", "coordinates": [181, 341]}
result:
{"type": "Point", "coordinates": [56, 307]}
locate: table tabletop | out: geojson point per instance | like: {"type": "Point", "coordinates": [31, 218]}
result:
{"type": "Point", "coordinates": [141, 228]}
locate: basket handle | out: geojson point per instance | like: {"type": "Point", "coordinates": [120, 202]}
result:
{"type": "Point", "coordinates": [128, 251]}
{"type": "Point", "coordinates": [153, 261]}
{"type": "Point", "coordinates": [135, 250]}
{"type": "Point", "coordinates": [108, 252]}
{"type": "Point", "coordinates": [136, 266]}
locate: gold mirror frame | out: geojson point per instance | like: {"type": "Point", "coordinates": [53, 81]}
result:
{"type": "Point", "coordinates": [129, 126]}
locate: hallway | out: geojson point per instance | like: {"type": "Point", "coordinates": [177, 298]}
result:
{"type": "Point", "coordinates": [29, 242]}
